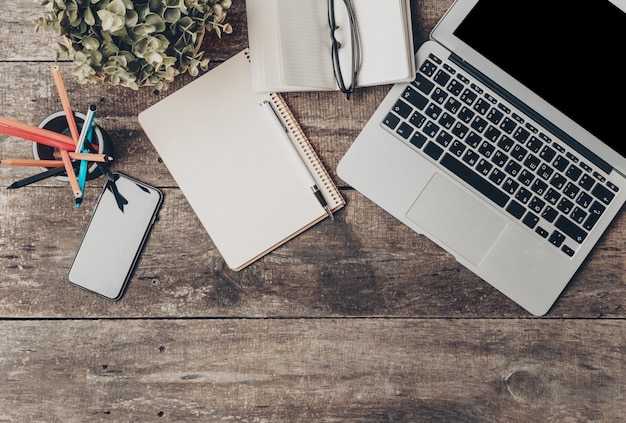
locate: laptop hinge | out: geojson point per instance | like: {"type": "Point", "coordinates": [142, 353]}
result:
{"type": "Point", "coordinates": [592, 157]}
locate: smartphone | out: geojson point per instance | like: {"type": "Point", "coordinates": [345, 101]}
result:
{"type": "Point", "coordinates": [114, 238]}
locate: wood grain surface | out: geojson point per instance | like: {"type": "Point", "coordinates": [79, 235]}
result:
{"type": "Point", "coordinates": [359, 320]}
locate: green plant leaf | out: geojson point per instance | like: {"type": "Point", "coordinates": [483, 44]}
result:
{"type": "Point", "coordinates": [88, 17]}
{"type": "Point", "coordinates": [90, 43]}
{"type": "Point", "coordinates": [132, 18]}
{"type": "Point", "coordinates": [110, 21]}
{"type": "Point", "coordinates": [171, 15]}
{"type": "Point", "coordinates": [117, 7]}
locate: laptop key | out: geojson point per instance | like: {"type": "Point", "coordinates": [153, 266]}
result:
{"type": "Point", "coordinates": [567, 250]}
{"type": "Point", "coordinates": [603, 194]}
{"type": "Point", "coordinates": [570, 229]}
{"type": "Point", "coordinates": [530, 220]}
{"type": "Point", "coordinates": [452, 105]}
{"type": "Point", "coordinates": [474, 180]}
{"type": "Point", "coordinates": [391, 121]}
{"type": "Point", "coordinates": [433, 150]}
{"type": "Point", "coordinates": [428, 68]}
{"type": "Point", "coordinates": [457, 148]}
{"type": "Point", "coordinates": [404, 130]}
{"type": "Point", "coordinates": [560, 163]}
{"type": "Point", "coordinates": [494, 116]}
{"type": "Point", "coordinates": [508, 125]}
{"type": "Point", "coordinates": [455, 87]}
{"type": "Point", "coordinates": [465, 114]}
{"type": "Point", "coordinates": [539, 187]}
{"type": "Point", "coordinates": [573, 172]}
{"type": "Point", "coordinates": [417, 119]}
{"type": "Point", "coordinates": [534, 144]}
{"type": "Point", "coordinates": [468, 97]}
{"type": "Point", "coordinates": [595, 211]}
{"type": "Point", "coordinates": [497, 176]}
{"type": "Point", "coordinates": [584, 199]}
{"type": "Point", "coordinates": [415, 98]}
{"type": "Point", "coordinates": [441, 77]}
{"type": "Point", "coordinates": [423, 84]}
{"type": "Point", "coordinates": [586, 182]}
{"type": "Point", "coordinates": [402, 109]}
{"type": "Point", "coordinates": [418, 139]}
{"type": "Point", "coordinates": [516, 209]}
{"type": "Point", "coordinates": [549, 214]}
{"type": "Point", "coordinates": [556, 238]}
{"type": "Point", "coordinates": [547, 154]}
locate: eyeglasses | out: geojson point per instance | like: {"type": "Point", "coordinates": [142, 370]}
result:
{"type": "Point", "coordinates": [346, 87]}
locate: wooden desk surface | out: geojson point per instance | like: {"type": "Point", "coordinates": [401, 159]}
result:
{"type": "Point", "coordinates": [357, 320]}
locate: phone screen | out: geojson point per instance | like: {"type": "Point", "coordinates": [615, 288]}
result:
{"type": "Point", "coordinates": [115, 236]}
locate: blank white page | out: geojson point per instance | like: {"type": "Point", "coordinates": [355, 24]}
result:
{"type": "Point", "coordinates": [305, 43]}
{"type": "Point", "coordinates": [386, 47]}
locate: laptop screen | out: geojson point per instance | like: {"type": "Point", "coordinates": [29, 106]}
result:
{"type": "Point", "coordinates": [568, 53]}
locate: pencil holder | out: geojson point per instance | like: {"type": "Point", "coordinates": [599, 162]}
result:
{"type": "Point", "coordinates": [58, 123]}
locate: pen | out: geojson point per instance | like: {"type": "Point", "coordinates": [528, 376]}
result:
{"type": "Point", "coordinates": [271, 113]}
{"type": "Point", "coordinates": [85, 136]}
{"type": "Point", "coordinates": [36, 178]}
{"type": "Point", "coordinates": [86, 128]}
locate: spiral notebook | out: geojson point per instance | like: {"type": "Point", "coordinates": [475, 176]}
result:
{"type": "Point", "coordinates": [229, 161]}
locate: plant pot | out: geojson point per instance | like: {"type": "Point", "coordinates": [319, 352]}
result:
{"type": "Point", "coordinates": [58, 123]}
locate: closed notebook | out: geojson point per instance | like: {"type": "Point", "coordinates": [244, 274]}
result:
{"type": "Point", "coordinates": [290, 43]}
{"type": "Point", "coordinates": [229, 161]}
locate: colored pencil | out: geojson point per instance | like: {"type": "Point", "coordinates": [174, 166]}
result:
{"type": "Point", "coordinates": [65, 101]}
{"type": "Point", "coordinates": [71, 175]}
{"type": "Point", "coordinates": [71, 123]}
{"type": "Point", "coordinates": [34, 133]}
{"type": "Point", "coordinates": [31, 162]}
{"type": "Point", "coordinates": [90, 157]}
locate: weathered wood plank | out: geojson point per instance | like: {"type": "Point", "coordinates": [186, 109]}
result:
{"type": "Point", "coordinates": [364, 264]}
{"type": "Point", "coordinates": [359, 370]}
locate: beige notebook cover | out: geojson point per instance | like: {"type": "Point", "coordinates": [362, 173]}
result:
{"type": "Point", "coordinates": [229, 161]}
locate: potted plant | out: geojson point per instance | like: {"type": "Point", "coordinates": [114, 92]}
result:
{"type": "Point", "coordinates": [134, 43]}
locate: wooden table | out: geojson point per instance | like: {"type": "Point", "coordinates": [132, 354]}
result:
{"type": "Point", "coordinates": [358, 319]}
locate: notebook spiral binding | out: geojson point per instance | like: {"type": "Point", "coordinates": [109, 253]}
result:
{"type": "Point", "coordinates": [296, 130]}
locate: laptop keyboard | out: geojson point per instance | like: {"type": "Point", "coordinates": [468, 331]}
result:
{"type": "Point", "coordinates": [501, 153]}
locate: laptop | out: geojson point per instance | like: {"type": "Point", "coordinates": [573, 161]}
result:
{"type": "Point", "coordinates": [508, 149]}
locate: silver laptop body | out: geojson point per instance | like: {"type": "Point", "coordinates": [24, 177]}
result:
{"type": "Point", "coordinates": [517, 182]}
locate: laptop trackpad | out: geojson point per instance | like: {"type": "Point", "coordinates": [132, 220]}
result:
{"type": "Point", "coordinates": [457, 219]}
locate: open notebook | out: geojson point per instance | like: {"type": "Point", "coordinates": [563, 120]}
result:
{"type": "Point", "coordinates": [290, 43]}
{"type": "Point", "coordinates": [229, 161]}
